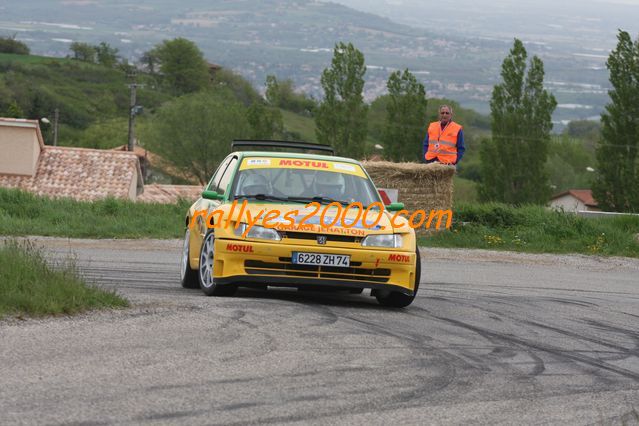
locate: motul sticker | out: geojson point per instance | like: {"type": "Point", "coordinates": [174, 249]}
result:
{"type": "Point", "coordinates": [404, 258]}
{"type": "Point", "coordinates": [241, 248]}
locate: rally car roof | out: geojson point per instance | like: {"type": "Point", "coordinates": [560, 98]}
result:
{"type": "Point", "coordinates": [242, 154]}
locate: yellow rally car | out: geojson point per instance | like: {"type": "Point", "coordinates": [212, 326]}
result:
{"type": "Point", "coordinates": [290, 219]}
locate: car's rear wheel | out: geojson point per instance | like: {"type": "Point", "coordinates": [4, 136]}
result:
{"type": "Point", "coordinates": [205, 270]}
{"type": "Point", "coordinates": [188, 276]}
{"type": "Point", "coordinates": [395, 299]}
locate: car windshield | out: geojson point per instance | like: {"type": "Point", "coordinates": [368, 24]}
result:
{"type": "Point", "coordinates": [296, 180]}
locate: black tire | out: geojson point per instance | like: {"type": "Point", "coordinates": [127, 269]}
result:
{"type": "Point", "coordinates": [395, 299]}
{"type": "Point", "coordinates": [355, 290]}
{"type": "Point", "coordinates": [205, 270]}
{"type": "Point", "coordinates": [188, 276]}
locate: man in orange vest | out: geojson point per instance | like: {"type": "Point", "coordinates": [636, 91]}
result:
{"type": "Point", "coordinates": [444, 141]}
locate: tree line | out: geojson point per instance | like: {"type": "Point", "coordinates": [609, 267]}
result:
{"type": "Point", "coordinates": [213, 106]}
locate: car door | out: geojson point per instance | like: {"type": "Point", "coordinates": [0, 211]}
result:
{"type": "Point", "coordinates": [219, 183]}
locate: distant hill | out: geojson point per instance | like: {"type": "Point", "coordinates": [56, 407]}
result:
{"type": "Point", "coordinates": [294, 39]}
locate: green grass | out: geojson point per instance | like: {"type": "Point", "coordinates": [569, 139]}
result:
{"type": "Point", "coordinates": [536, 229]}
{"type": "Point", "coordinates": [300, 125]}
{"type": "Point", "coordinates": [28, 286]}
{"type": "Point", "coordinates": [488, 226]}
{"type": "Point", "coordinates": [30, 59]}
{"type": "Point", "coordinates": [22, 213]}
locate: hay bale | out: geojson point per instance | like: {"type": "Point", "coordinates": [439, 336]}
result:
{"type": "Point", "coordinates": [421, 186]}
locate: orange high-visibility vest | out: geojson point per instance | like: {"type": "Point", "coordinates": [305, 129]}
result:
{"type": "Point", "coordinates": [442, 144]}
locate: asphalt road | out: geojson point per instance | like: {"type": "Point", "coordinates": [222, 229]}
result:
{"type": "Point", "coordinates": [492, 338]}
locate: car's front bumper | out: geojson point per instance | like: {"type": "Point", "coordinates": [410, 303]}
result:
{"type": "Point", "coordinates": [247, 262]}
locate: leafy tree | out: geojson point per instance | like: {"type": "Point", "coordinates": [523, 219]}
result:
{"type": "Point", "coordinates": [83, 51]}
{"type": "Point", "coordinates": [150, 60]}
{"type": "Point", "coordinates": [617, 183]}
{"type": "Point", "coordinates": [106, 55]}
{"type": "Point", "coordinates": [104, 134]}
{"type": "Point", "coordinates": [587, 131]}
{"type": "Point", "coordinates": [282, 94]}
{"type": "Point", "coordinates": [183, 66]}
{"type": "Point", "coordinates": [406, 111]}
{"type": "Point", "coordinates": [242, 89]}
{"type": "Point", "coordinates": [341, 117]}
{"type": "Point", "coordinates": [194, 132]}
{"type": "Point", "coordinates": [11, 45]}
{"type": "Point", "coordinates": [272, 94]}
{"type": "Point", "coordinates": [14, 110]}
{"type": "Point", "coordinates": [265, 122]}
{"type": "Point", "coordinates": [568, 163]}
{"type": "Point", "coordinates": [513, 160]}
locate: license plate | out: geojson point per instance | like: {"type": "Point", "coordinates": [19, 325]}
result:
{"type": "Point", "coordinates": [319, 259]}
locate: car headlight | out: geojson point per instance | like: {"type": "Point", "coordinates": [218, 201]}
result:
{"type": "Point", "coordinates": [383, 240]}
{"type": "Point", "coordinates": [257, 231]}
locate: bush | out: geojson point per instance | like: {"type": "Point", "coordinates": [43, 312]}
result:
{"type": "Point", "coordinates": [11, 45]}
{"type": "Point", "coordinates": [28, 285]}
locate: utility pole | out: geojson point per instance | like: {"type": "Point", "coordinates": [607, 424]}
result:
{"type": "Point", "coordinates": [56, 117]}
{"type": "Point", "coordinates": [133, 88]}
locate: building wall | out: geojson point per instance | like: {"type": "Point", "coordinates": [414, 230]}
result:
{"type": "Point", "coordinates": [568, 203]}
{"type": "Point", "coordinates": [133, 187]}
{"type": "Point", "coordinates": [20, 150]}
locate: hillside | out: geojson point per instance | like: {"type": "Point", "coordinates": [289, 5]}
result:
{"type": "Point", "coordinates": [93, 102]}
{"type": "Point", "coordinates": [83, 93]}
{"type": "Point", "coordinates": [294, 39]}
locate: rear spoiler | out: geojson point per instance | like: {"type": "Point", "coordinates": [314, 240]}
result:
{"type": "Point", "coordinates": [282, 144]}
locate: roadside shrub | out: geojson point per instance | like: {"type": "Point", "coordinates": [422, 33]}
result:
{"type": "Point", "coordinates": [29, 285]}
{"type": "Point", "coordinates": [490, 214]}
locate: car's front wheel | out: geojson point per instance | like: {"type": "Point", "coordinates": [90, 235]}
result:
{"type": "Point", "coordinates": [205, 270]}
{"type": "Point", "coordinates": [395, 299]}
{"type": "Point", "coordinates": [188, 276]}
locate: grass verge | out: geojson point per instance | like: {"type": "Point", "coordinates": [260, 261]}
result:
{"type": "Point", "coordinates": [22, 213]}
{"type": "Point", "coordinates": [28, 286]}
{"type": "Point", "coordinates": [538, 230]}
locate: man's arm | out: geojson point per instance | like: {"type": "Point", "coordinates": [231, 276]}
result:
{"type": "Point", "coordinates": [460, 146]}
{"type": "Point", "coordinates": [424, 148]}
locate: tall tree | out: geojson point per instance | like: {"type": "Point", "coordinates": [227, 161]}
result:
{"type": "Point", "coordinates": [106, 55]}
{"type": "Point", "coordinates": [193, 132]}
{"type": "Point", "coordinates": [150, 60]}
{"type": "Point", "coordinates": [83, 51]}
{"type": "Point", "coordinates": [405, 119]}
{"type": "Point", "coordinates": [282, 94]}
{"type": "Point", "coordinates": [265, 122]}
{"type": "Point", "coordinates": [183, 66]}
{"type": "Point", "coordinates": [616, 186]}
{"type": "Point", "coordinates": [341, 117]}
{"type": "Point", "coordinates": [513, 160]}
{"type": "Point", "coordinates": [272, 93]}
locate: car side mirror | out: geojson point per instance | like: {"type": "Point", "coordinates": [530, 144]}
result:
{"type": "Point", "coordinates": [395, 207]}
{"type": "Point", "coordinates": [212, 195]}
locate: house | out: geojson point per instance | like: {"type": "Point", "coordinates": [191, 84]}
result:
{"type": "Point", "coordinates": [54, 171]}
{"type": "Point", "coordinates": [575, 200]}
{"type": "Point", "coordinates": [144, 157]}
{"type": "Point", "coordinates": [79, 173]}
